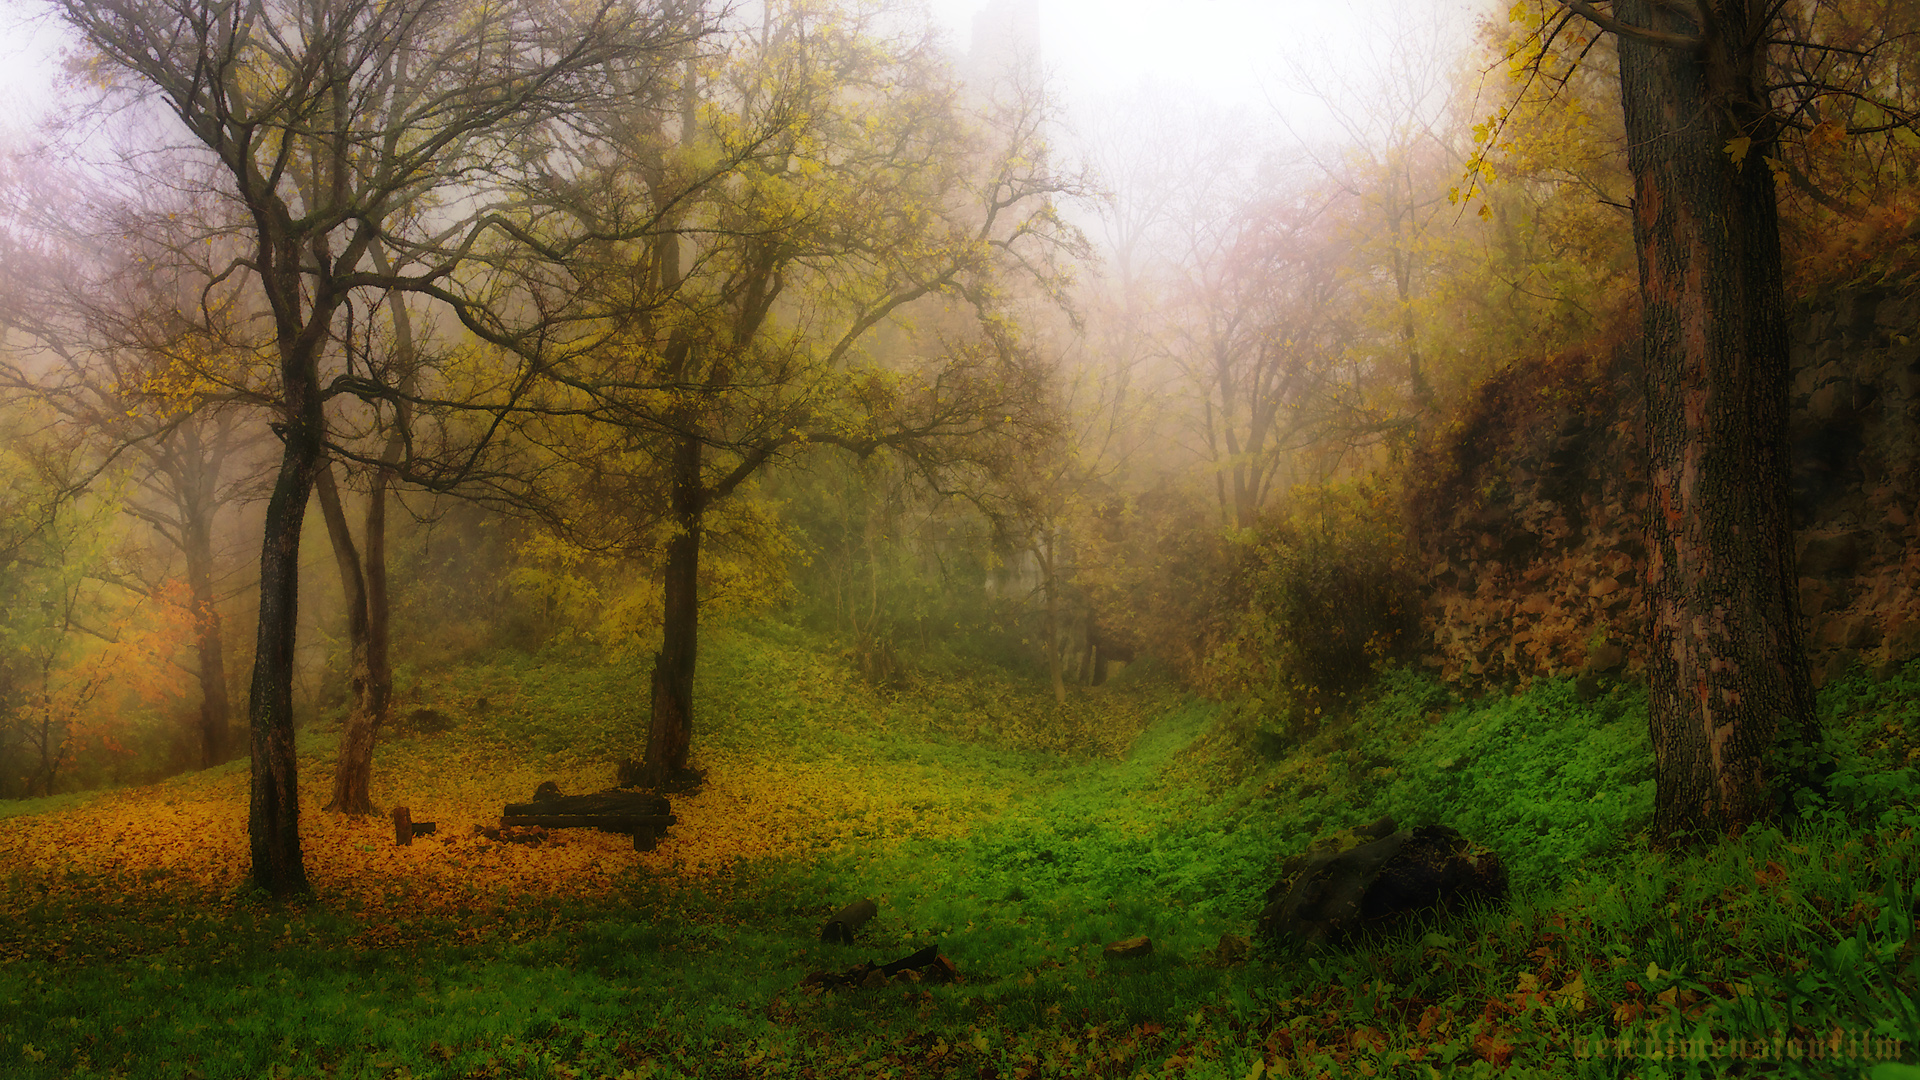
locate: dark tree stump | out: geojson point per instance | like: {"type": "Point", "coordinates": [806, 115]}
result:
{"type": "Point", "coordinates": [847, 920]}
{"type": "Point", "coordinates": [402, 826]}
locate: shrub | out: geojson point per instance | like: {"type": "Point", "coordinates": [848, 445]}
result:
{"type": "Point", "coordinates": [1316, 598]}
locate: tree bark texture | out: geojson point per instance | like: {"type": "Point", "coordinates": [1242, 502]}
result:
{"type": "Point", "coordinates": [273, 811]}
{"type": "Point", "coordinates": [670, 733]}
{"type": "Point", "coordinates": [1727, 674]}
{"type": "Point", "coordinates": [353, 773]}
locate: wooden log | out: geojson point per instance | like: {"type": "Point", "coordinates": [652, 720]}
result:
{"type": "Point", "coordinates": [915, 962]}
{"type": "Point", "coordinates": [425, 828]}
{"type": "Point", "coordinates": [600, 803]}
{"type": "Point", "coordinates": [848, 919]}
{"type": "Point", "coordinates": [402, 826]}
{"type": "Point", "coordinates": [927, 965]}
{"type": "Point", "coordinates": [604, 822]}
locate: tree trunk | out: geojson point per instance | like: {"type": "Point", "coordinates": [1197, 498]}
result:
{"type": "Point", "coordinates": [1727, 674]}
{"type": "Point", "coordinates": [1052, 627]}
{"type": "Point", "coordinates": [670, 733]}
{"type": "Point", "coordinates": [379, 612]}
{"type": "Point", "coordinates": [273, 811]}
{"type": "Point", "coordinates": [215, 709]}
{"type": "Point", "coordinates": [353, 775]}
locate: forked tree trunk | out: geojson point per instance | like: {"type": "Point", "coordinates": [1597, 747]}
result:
{"type": "Point", "coordinates": [1727, 674]}
{"type": "Point", "coordinates": [353, 773]}
{"type": "Point", "coordinates": [670, 732]}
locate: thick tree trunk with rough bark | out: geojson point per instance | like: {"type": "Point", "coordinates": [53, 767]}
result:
{"type": "Point", "coordinates": [353, 773]}
{"type": "Point", "coordinates": [670, 733]}
{"type": "Point", "coordinates": [1727, 675]}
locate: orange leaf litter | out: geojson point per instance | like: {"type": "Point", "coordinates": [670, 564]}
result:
{"type": "Point", "coordinates": [195, 828]}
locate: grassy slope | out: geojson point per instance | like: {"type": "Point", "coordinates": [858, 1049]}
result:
{"type": "Point", "coordinates": [1019, 836]}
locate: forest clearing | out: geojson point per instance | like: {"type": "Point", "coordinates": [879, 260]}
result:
{"type": "Point", "coordinates": [136, 946]}
{"type": "Point", "coordinates": [620, 539]}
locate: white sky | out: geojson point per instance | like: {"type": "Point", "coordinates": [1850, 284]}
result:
{"type": "Point", "coordinates": [1233, 51]}
{"type": "Point", "coordinates": [27, 69]}
{"type": "Point", "coordinates": [1230, 50]}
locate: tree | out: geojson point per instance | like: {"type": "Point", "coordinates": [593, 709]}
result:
{"type": "Point", "coordinates": [77, 646]}
{"type": "Point", "coordinates": [103, 352]}
{"type": "Point", "coordinates": [333, 125]}
{"type": "Point", "coordinates": [1397, 148]}
{"type": "Point", "coordinates": [743, 264]}
{"type": "Point", "coordinates": [1728, 677]}
{"type": "Point", "coordinates": [363, 567]}
{"type": "Point", "coordinates": [1265, 342]}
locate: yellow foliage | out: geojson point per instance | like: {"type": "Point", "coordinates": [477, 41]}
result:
{"type": "Point", "coordinates": [195, 828]}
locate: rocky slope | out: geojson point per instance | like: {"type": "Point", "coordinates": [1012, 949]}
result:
{"type": "Point", "coordinates": [1528, 510]}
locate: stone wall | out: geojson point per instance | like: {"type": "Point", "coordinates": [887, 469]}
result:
{"type": "Point", "coordinates": [1528, 512]}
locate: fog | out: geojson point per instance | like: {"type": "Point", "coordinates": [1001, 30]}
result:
{"type": "Point", "coordinates": [815, 538]}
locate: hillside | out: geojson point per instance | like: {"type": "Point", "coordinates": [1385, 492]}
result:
{"type": "Point", "coordinates": [1017, 837]}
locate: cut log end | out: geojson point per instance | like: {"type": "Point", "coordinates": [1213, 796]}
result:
{"type": "Point", "coordinates": [402, 826]}
{"type": "Point", "coordinates": [845, 922]}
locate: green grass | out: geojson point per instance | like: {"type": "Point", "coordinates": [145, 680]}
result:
{"type": "Point", "coordinates": [46, 804]}
{"type": "Point", "coordinates": [1132, 812]}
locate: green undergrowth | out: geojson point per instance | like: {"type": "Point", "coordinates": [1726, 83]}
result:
{"type": "Point", "coordinates": [1132, 813]}
{"type": "Point", "coordinates": [763, 687]}
{"type": "Point", "coordinates": [1549, 782]}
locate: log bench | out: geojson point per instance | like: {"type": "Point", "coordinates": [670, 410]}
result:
{"type": "Point", "coordinates": [642, 815]}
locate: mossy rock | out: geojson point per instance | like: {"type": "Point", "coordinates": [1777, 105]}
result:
{"type": "Point", "coordinates": [1378, 884]}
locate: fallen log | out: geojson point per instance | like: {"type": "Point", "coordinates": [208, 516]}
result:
{"type": "Point", "coordinates": [927, 965]}
{"type": "Point", "coordinates": [642, 814]}
{"type": "Point", "coordinates": [620, 823]}
{"type": "Point", "coordinates": [848, 919]}
{"type": "Point", "coordinates": [600, 803]}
